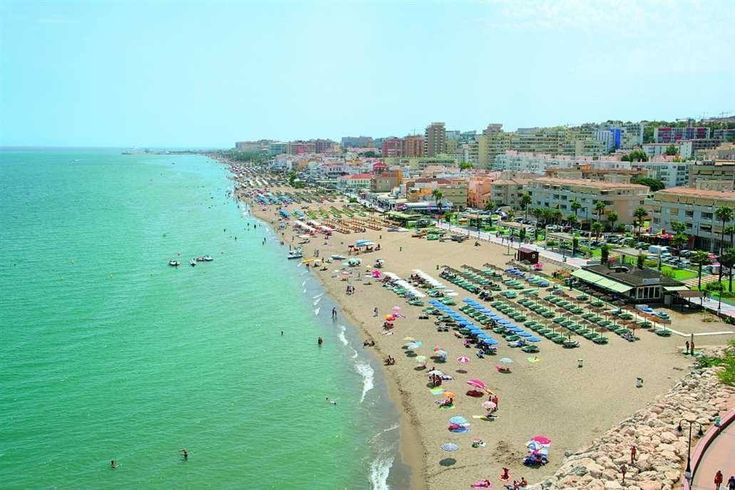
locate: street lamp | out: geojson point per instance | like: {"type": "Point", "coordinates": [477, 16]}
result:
{"type": "Point", "coordinates": [700, 433]}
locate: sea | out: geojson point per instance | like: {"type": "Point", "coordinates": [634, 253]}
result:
{"type": "Point", "coordinates": [108, 353]}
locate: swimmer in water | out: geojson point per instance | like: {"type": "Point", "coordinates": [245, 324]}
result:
{"type": "Point", "coordinates": [113, 464]}
{"type": "Point", "coordinates": [320, 341]}
{"type": "Point", "coordinates": [333, 402]}
{"type": "Point", "coordinates": [185, 454]}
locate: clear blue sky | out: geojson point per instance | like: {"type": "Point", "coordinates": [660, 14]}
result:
{"type": "Point", "coordinates": [154, 73]}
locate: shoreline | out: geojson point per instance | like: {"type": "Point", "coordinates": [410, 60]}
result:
{"type": "Point", "coordinates": [589, 401]}
{"type": "Point", "coordinates": [411, 450]}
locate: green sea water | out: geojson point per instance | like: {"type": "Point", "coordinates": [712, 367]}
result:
{"type": "Point", "coordinates": [106, 352]}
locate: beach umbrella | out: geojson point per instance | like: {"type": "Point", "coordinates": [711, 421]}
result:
{"type": "Point", "coordinates": [435, 372]}
{"type": "Point", "coordinates": [488, 405]}
{"type": "Point", "coordinates": [449, 446]}
{"type": "Point", "coordinates": [506, 360]}
{"type": "Point", "coordinates": [420, 359]}
{"type": "Point", "coordinates": [541, 439]}
{"type": "Point", "coordinates": [477, 384]}
{"type": "Point", "coordinates": [396, 309]}
{"type": "Point", "coordinates": [449, 394]}
{"type": "Point", "coordinates": [437, 348]}
{"type": "Point", "coordinates": [463, 359]}
{"type": "Point", "coordinates": [458, 419]}
{"type": "Point", "coordinates": [413, 345]}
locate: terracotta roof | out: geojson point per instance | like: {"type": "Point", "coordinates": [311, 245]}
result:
{"type": "Point", "coordinates": [590, 183]}
{"type": "Point", "coordinates": [692, 192]}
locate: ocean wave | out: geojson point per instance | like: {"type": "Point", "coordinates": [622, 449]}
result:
{"type": "Point", "coordinates": [316, 311]}
{"type": "Point", "coordinates": [368, 377]}
{"type": "Point", "coordinates": [318, 295]}
{"type": "Point", "coordinates": [341, 335]}
{"type": "Point", "coordinates": [379, 471]}
{"type": "Point", "coordinates": [316, 301]}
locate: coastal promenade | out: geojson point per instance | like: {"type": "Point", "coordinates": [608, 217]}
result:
{"type": "Point", "coordinates": [717, 456]}
{"type": "Point", "coordinates": [573, 262]}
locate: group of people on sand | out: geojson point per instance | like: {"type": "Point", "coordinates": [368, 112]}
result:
{"type": "Point", "coordinates": [389, 361]}
{"type": "Point", "coordinates": [184, 454]}
{"type": "Point", "coordinates": [368, 343]}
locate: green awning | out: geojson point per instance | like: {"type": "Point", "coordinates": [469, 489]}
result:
{"type": "Point", "coordinates": [601, 281]}
{"type": "Point", "coordinates": [587, 275]}
{"type": "Point", "coordinates": [676, 288]}
{"type": "Point", "coordinates": [614, 286]}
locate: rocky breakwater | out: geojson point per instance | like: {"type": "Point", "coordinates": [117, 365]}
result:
{"type": "Point", "coordinates": [661, 448]}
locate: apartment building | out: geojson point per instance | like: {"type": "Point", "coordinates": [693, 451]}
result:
{"type": "Point", "coordinates": [672, 174]}
{"type": "Point", "coordinates": [391, 147]}
{"type": "Point", "coordinates": [508, 192]}
{"type": "Point", "coordinates": [354, 181]}
{"type": "Point", "coordinates": [693, 207]}
{"type": "Point", "coordinates": [555, 193]}
{"type": "Point", "coordinates": [435, 139]}
{"type": "Point", "coordinates": [718, 174]}
{"type": "Point", "coordinates": [672, 135]}
{"type": "Point", "coordinates": [412, 146]}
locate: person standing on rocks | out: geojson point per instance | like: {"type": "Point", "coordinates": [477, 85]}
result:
{"type": "Point", "coordinates": [623, 470]}
{"type": "Point", "coordinates": [633, 454]}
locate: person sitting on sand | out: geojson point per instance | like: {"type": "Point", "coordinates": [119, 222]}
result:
{"type": "Point", "coordinates": [505, 475]}
{"type": "Point", "coordinates": [523, 482]}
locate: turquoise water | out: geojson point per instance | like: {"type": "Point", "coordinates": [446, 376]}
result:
{"type": "Point", "coordinates": [108, 353]}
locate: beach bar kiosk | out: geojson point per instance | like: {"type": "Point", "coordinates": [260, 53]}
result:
{"type": "Point", "coordinates": [525, 254]}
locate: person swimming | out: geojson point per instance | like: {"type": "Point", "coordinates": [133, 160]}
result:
{"type": "Point", "coordinates": [333, 402]}
{"type": "Point", "coordinates": [113, 464]}
{"type": "Point", "coordinates": [184, 454]}
{"type": "Point", "coordinates": [320, 341]}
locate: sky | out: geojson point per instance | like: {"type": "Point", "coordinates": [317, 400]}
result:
{"type": "Point", "coordinates": [207, 74]}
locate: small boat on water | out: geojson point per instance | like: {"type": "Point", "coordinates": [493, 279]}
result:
{"type": "Point", "coordinates": [174, 263]}
{"type": "Point", "coordinates": [295, 254]}
{"type": "Point", "coordinates": [205, 258]}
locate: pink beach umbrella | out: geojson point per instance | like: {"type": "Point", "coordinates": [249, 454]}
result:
{"type": "Point", "coordinates": [463, 359]}
{"type": "Point", "coordinates": [541, 439]}
{"type": "Point", "coordinates": [488, 405]}
{"type": "Point", "coordinates": [477, 384]}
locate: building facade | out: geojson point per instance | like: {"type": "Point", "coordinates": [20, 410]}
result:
{"type": "Point", "coordinates": [435, 139]}
{"type": "Point", "coordinates": [559, 193]}
{"type": "Point", "coordinates": [693, 207]}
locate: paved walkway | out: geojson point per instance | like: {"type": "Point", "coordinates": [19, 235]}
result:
{"type": "Point", "coordinates": [490, 237]}
{"type": "Point", "coordinates": [719, 456]}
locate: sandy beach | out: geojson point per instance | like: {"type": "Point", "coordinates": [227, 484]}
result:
{"type": "Point", "coordinates": [551, 396]}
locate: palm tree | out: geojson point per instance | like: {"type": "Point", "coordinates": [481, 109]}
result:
{"type": "Point", "coordinates": [575, 205]}
{"type": "Point", "coordinates": [525, 201]}
{"type": "Point", "coordinates": [600, 209]}
{"type": "Point", "coordinates": [730, 230]}
{"type": "Point", "coordinates": [723, 214]}
{"type": "Point", "coordinates": [679, 239]}
{"type": "Point", "coordinates": [556, 215]}
{"type": "Point", "coordinates": [727, 259]}
{"type": "Point", "coordinates": [604, 253]}
{"type": "Point", "coordinates": [597, 228]}
{"type": "Point", "coordinates": [575, 244]}
{"type": "Point", "coordinates": [612, 218]}
{"type": "Point", "coordinates": [437, 195]}
{"type": "Point", "coordinates": [572, 220]}
{"type": "Point", "coordinates": [640, 214]}
{"type": "Point", "coordinates": [700, 258]}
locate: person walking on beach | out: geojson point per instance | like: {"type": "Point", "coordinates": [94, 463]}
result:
{"type": "Point", "coordinates": [718, 479]}
{"type": "Point", "coordinates": [375, 311]}
{"type": "Point", "coordinates": [334, 313]}
{"type": "Point", "coordinates": [731, 483]}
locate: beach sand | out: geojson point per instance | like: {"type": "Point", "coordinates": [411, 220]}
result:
{"type": "Point", "coordinates": [552, 397]}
